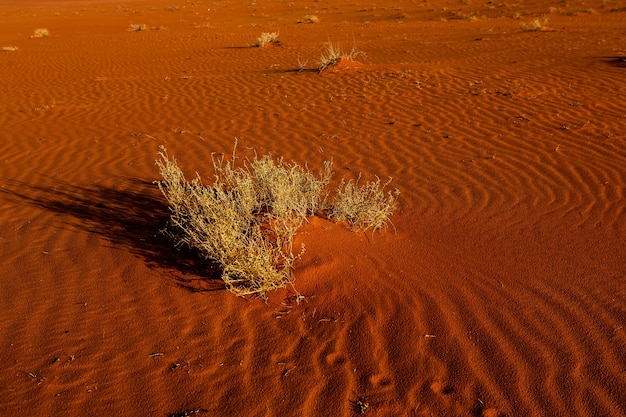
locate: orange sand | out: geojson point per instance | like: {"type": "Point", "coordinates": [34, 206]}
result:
{"type": "Point", "coordinates": [501, 291]}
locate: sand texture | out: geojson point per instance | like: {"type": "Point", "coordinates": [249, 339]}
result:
{"type": "Point", "coordinates": [500, 290]}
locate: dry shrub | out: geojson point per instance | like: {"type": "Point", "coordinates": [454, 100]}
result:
{"type": "Point", "coordinates": [288, 191]}
{"type": "Point", "coordinates": [310, 18]}
{"type": "Point", "coordinates": [40, 33]}
{"type": "Point", "coordinates": [334, 54]}
{"type": "Point", "coordinates": [137, 27]}
{"type": "Point", "coordinates": [267, 39]}
{"type": "Point", "coordinates": [226, 224]}
{"type": "Point", "coordinates": [536, 25]}
{"type": "Point", "coordinates": [247, 219]}
{"type": "Point", "coordinates": [364, 206]}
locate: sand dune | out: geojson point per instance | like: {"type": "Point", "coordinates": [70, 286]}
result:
{"type": "Point", "coordinates": [499, 291]}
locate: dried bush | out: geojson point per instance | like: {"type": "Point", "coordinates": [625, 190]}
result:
{"type": "Point", "coordinates": [137, 27]}
{"type": "Point", "coordinates": [334, 54]}
{"type": "Point", "coordinates": [40, 33]}
{"type": "Point", "coordinates": [267, 39]}
{"type": "Point", "coordinates": [536, 25]}
{"type": "Point", "coordinates": [366, 206]}
{"type": "Point", "coordinates": [246, 220]}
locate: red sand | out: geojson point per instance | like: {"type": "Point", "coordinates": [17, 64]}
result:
{"type": "Point", "coordinates": [501, 291]}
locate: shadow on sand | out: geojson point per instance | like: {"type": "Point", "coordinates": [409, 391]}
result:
{"type": "Point", "coordinates": [129, 217]}
{"type": "Point", "coordinates": [617, 61]}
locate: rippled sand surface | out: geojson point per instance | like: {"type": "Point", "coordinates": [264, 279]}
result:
{"type": "Point", "coordinates": [500, 290]}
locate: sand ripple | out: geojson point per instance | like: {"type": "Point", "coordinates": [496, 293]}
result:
{"type": "Point", "coordinates": [499, 290]}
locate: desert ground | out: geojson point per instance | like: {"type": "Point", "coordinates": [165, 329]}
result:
{"type": "Point", "coordinates": [499, 289]}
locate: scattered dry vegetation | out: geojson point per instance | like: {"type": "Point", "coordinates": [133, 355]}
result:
{"type": "Point", "coordinates": [578, 11]}
{"type": "Point", "coordinates": [364, 206]}
{"type": "Point", "coordinates": [310, 18]}
{"type": "Point", "coordinates": [302, 63]}
{"type": "Point", "coordinates": [267, 39]}
{"type": "Point", "coordinates": [535, 25]}
{"type": "Point", "coordinates": [10, 48]}
{"type": "Point", "coordinates": [134, 27]}
{"type": "Point", "coordinates": [247, 219]}
{"type": "Point", "coordinates": [334, 54]}
{"type": "Point", "coordinates": [40, 33]}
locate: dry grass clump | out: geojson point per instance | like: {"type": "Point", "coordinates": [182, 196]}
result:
{"type": "Point", "coordinates": [334, 54]}
{"type": "Point", "coordinates": [247, 219]}
{"type": "Point", "coordinates": [10, 48]}
{"type": "Point", "coordinates": [267, 39]}
{"type": "Point", "coordinates": [134, 27]}
{"type": "Point", "coordinates": [535, 25]}
{"type": "Point", "coordinates": [40, 33]}
{"type": "Point", "coordinates": [310, 18]}
{"type": "Point", "coordinates": [221, 224]}
{"type": "Point", "coordinates": [364, 206]}
{"type": "Point", "coordinates": [288, 192]}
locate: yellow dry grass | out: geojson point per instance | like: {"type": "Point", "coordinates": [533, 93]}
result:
{"type": "Point", "coordinates": [267, 38]}
{"type": "Point", "coordinates": [40, 33]}
{"type": "Point", "coordinates": [334, 54]}
{"type": "Point", "coordinates": [246, 220]}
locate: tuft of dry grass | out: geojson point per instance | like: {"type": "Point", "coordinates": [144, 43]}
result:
{"type": "Point", "coordinates": [310, 18]}
{"type": "Point", "coordinates": [334, 54]}
{"type": "Point", "coordinates": [302, 64]}
{"type": "Point", "coordinates": [40, 33]}
{"type": "Point", "coordinates": [134, 27]}
{"type": "Point", "coordinates": [220, 223]}
{"type": "Point", "coordinates": [246, 220]}
{"type": "Point", "coordinates": [10, 48]}
{"type": "Point", "coordinates": [365, 206]}
{"type": "Point", "coordinates": [535, 25]}
{"type": "Point", "coordinates": [267, 39]}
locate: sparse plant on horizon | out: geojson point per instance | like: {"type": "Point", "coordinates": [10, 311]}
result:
{"type": "Point", "coordinates": [535, 25]}
{"type": "Point", "coordinates": [134, 27]}
{"type": "Point", "coordinates": [246, 220]}
{"type": "Point", "coordinates": [310, 18]}
{"type": "Point", "coordinates": [334, 54]}
{"type": "Point", "coordinates": [40, 33]}
{"type": "Point", "coordinates": [267, 39]}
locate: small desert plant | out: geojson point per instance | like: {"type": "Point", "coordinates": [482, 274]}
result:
{"type": "Point", "coordinates": [311, 19]}
{"type": "Point", "coordinates": [247, 219]}
{"type": "Point", "coordinates": [10, 48]}
{"type": "Point", "coordinates": [302, 64]}
{"type": "Point", "coordinates": [220, 223]}
{"type": "Point", "coordinates": [40, 33]}
{"type": "Point", "coordinates": [134, 27]}
{"type": "Point", "coordinates": [364, 206]}
{"type": "Point", "coordinates": [536, 25]}
{"type": "Point", "coordinates": [267, 39]}
{"type": "Point", "coordinates": [334, 54]}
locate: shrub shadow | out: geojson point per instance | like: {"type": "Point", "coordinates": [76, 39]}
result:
{"type": "Point", "coordinates": [131, 218]}
{"type": "Point", "coordinates": [617, 61]}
